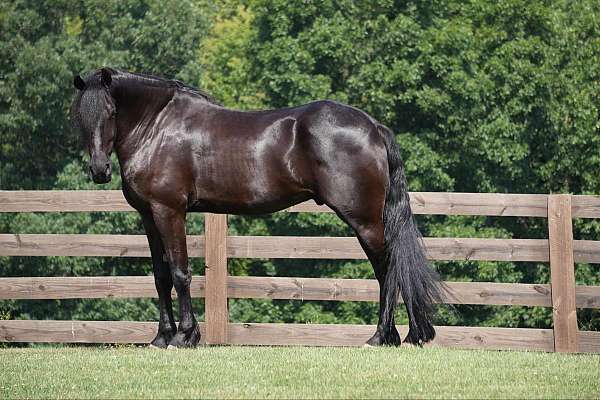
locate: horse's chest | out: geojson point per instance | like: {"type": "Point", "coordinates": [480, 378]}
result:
{"type": "Point", "coordinates": [135, 170]}
{"type": "Point", "coordinates": [137, 175]}
{"type": "Point", "coordinates": [135, 195]}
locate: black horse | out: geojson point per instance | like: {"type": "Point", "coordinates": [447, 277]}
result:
{"type": "Point", "coordinates": [180, 151]}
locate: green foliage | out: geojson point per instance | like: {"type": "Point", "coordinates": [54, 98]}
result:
{"type": "Point", "coordinates": [483, 96]}
{"type": "Point", "coordinates": [46, 42]}
{"type": "Point", "coordinates": [223, 60]}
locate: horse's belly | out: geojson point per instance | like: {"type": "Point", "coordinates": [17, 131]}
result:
{"type": "Point", "coordinates": [243, 205]}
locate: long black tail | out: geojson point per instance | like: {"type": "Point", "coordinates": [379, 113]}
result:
{"type": "Point", "coordinates": [407, 267]}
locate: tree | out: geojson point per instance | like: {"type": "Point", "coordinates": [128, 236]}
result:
{"type": "Point", "coordinates": [48, 42]}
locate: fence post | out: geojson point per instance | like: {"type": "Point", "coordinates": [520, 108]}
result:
{"type": "Point", "coordinates": [215, 300]}
{"type": "Point", "coordinates": [562, 271]}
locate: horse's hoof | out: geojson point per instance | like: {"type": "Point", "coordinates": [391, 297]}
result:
{"type": "Point", "coordinates": [186, 340]}
{"type": "Point", "coordinates": [368, 346]}
{"type": "Point", "coordinates": [163, 338]}
{"type": "Point", "coordinates": [153, 347]}
{"type": "Point", "coordinates": [392, 338]}
{"type": "Point", "coordinates": [171, 347]}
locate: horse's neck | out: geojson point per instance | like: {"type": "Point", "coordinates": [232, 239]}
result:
{"type": "Point", "coordinates": [137, 109]}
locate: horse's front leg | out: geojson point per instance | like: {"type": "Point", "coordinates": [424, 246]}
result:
{"type": "Point", "coordinates": [163, 283]}
{"type": "Point", "coordinates": [171, 225]}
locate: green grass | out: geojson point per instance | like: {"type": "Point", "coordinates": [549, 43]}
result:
{"type": "Point", "coordinates": [294, 372]}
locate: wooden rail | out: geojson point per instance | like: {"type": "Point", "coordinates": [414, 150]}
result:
{"type": "Point", "coordinates": [284, 334]}
{"type": "Point", "coordinates": [440, 249]}
{"type": "Point", "coordinates": [490, 204]}
{"type": "Point", "coordinates": [560, 250]}
{"type": "Point", "coordinates": [248, 287]}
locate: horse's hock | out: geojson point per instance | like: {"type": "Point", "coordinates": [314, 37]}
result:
{"type": "Point", "coordinates": [559, 250]}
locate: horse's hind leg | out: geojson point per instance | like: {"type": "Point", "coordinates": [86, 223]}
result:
{"type": "Point", "coordinates": [362, 209]}
{"type": "Point", "coordinates": [163, 283]}
{"type": "Point", "coordinates": [371, 240]}
{"type": "Point", "coordinates": [171, 225]}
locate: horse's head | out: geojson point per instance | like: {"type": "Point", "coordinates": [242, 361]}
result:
{"type": "Point", "coordinates": [94, 114]}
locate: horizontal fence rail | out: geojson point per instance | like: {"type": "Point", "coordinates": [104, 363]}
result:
{"type": "Point", "coordinates": [488, 204]}
{"type": "Point", "coordinates": [560, 250]}
{"type": "Point", "coordinates": [440, 249]}
{"type": "Point", "coordinates": [284, 334]}
{"type": "Point", "coordinates": [252, 287]}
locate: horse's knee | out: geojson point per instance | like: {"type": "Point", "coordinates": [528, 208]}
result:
{"type": "Point", "coordinates": [181, 279]}
{"type": "Point", "coordinates": [162, 278]}
{"type": "Point", "coordinates": [163, 283]}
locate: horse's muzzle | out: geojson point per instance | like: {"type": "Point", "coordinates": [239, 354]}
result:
{"type": "Point", "coordinates": [100, 173]}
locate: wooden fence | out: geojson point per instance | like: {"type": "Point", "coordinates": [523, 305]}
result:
{"type": "Point", "coordinates": [560, 250]}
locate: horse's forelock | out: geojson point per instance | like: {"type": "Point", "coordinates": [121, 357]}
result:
{"type": "Point", "coordinates": [86, 106]}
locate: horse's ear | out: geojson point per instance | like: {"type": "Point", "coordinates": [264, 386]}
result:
{"type": "Point", "coordinates": [78, 82]}
{"type": "Point", "coordinates": [106, 77]}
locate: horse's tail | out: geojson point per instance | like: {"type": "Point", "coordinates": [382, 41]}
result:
{"type": "Point", "coordinates": [407, 267]}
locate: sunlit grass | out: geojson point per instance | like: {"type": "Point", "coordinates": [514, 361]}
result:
{"type": "Point", "coordinates": [294, 372]}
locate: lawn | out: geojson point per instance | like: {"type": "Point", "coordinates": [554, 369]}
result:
{"type": "Point", "coordinates": [294, 372]}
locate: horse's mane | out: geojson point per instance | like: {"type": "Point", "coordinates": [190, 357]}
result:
{"type": "Point", "coordinates": [153, 80]}
{"type": "Point", "coordinates": [80, 113]}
